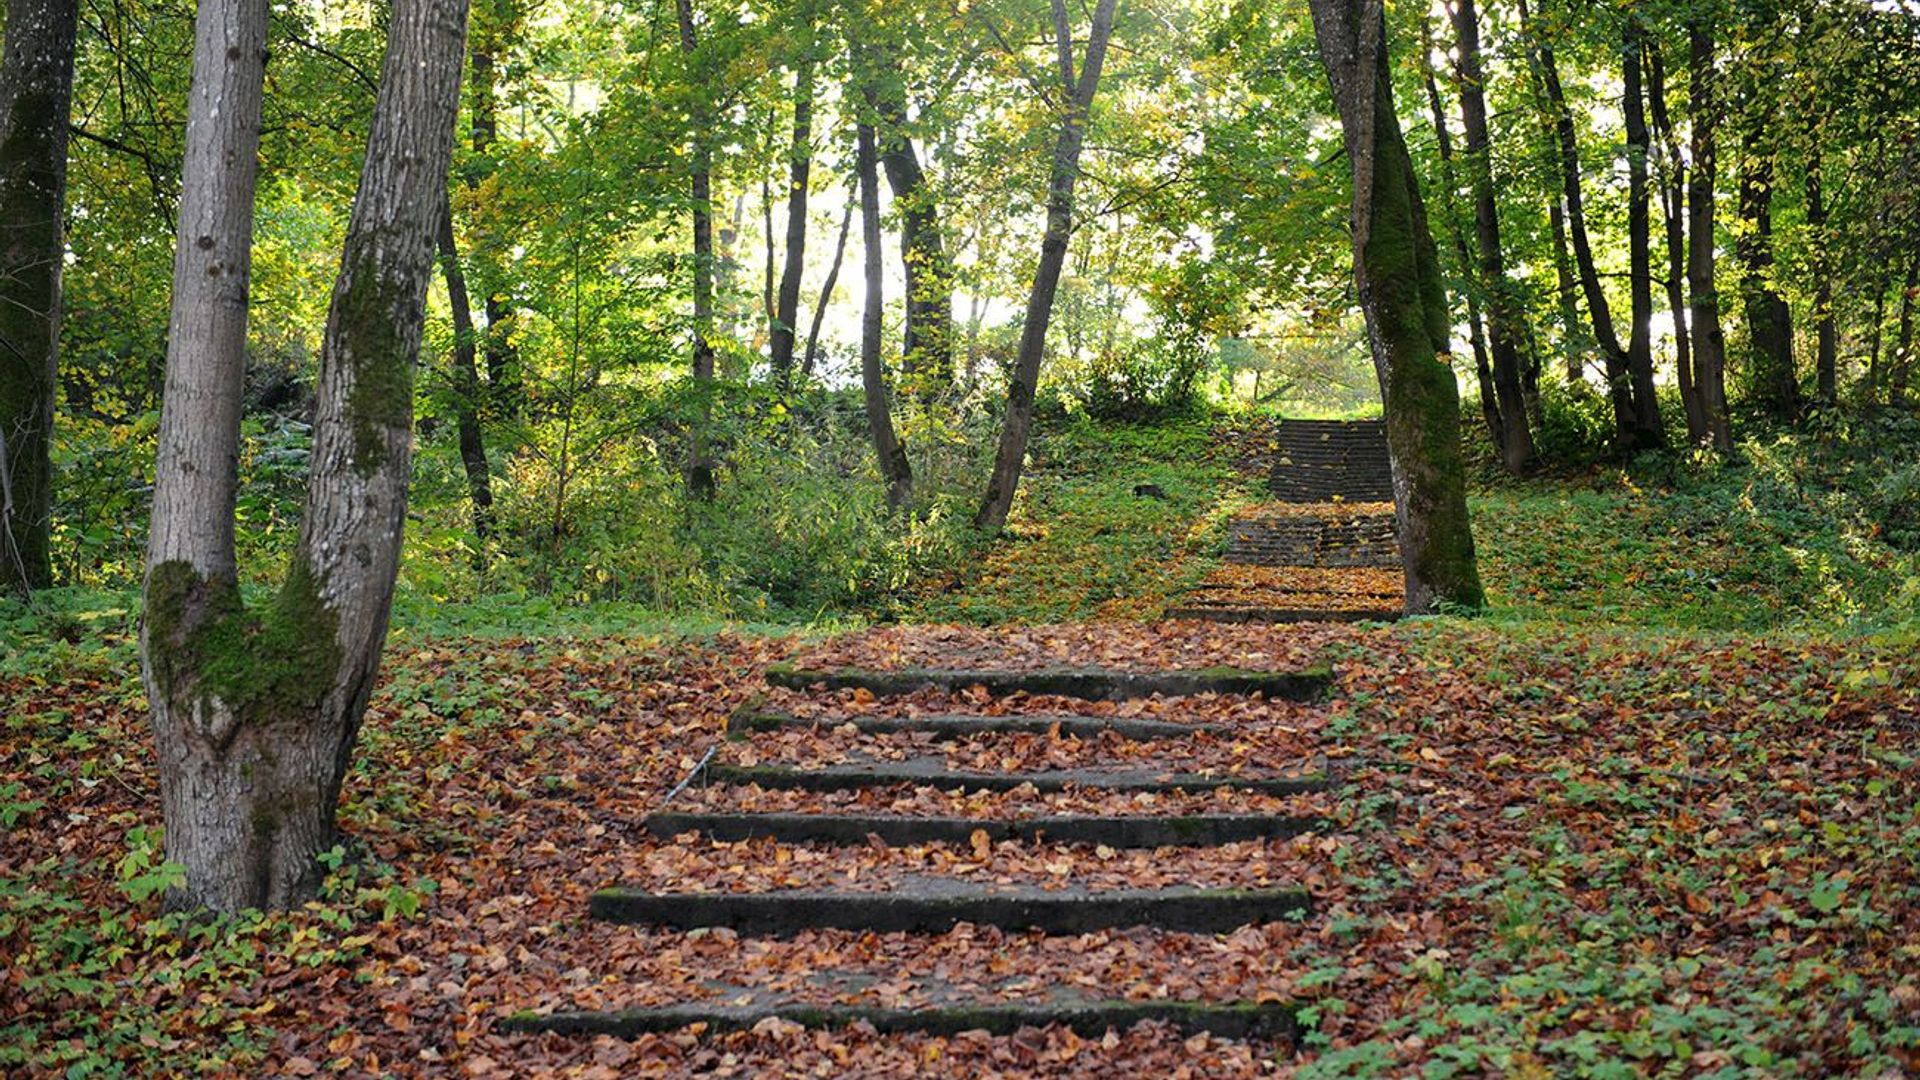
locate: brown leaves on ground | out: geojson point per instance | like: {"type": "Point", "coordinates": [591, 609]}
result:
{"type": "Point", "coordinates": [1553, 846]}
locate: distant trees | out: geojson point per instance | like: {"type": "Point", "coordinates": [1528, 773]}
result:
{"type": "Point", "coordinates": [256, 709]}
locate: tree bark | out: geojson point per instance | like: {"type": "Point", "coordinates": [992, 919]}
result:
{"type": "Point", "coordinates": [1826, 363]}
{"type": "Point", "coordinates": [928, 350]}
{"type": "Point", "coordinates": [494, 23]}
{"type": "Point", "coordinates": [466, 384]}
{"type": "Point", "coordinates": [892, 455]}
{"type": "Point", "coordinates": [1505, 319]}
{"type": "Point", "coordinates": [1077, 93]}
{"type": "Point", "coordinates": [1709, 340]}
{"type": "Point", "coordinates": [700, 482]}
{"type": "Point", "coordinates": [1397, 278]}
{"type": "Point", "coordinates": [826, 290]}
{"type": "Point", "coordinates": [1673, 208]}
{"type": "Point", "coordinates": [786, 316]}
{"type": "Point", "coordinates": [1900, 368]}
{"type": "Point", "coordinates": [256, 713]}
{"type": "Point", "coordinates": [36, 99]}
{"type": "Point", "coordinates": [1462, 250]}
{"type": "Point", "coordinates": [1649, 430]}
{"type": "Point", "coordinates": [1776, 387]}
{"type": "Point", "coordinates": [1614, 357]}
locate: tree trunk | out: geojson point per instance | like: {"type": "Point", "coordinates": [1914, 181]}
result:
{"type": "Point", "coordinates": [1476, 332]}
{"type": "Point", "coordinates": [1900, 370]}
{"type": "Point", "coordinates": [1649, 430]}
{"type": "Point", "coordinates": [1709, 341]}
{"type": "Point", "coordinates": [1010, 457]}
{"type": "Point", "coordinates": [928, 365]}
{"type": "Point", "coordinates": [892, 454]}
{"type": "Point", "coordinates": [826, 290]}
{"type": "Point", "coordinates": [1827, 354]}
{"type": "Point", "coordinates": [466, 384]}
{"type": "Point", "coordinates": [1505, 318]}
{"type": "Point", "coordinates": [1776, 387]}
{"type": "Point", "coordinates": [1619, 381]}
{"type": "Point", "coordinates": [1572, 334]}
{"type": "Point", "coordinates": [786, 316]}
{"type": "Point", "coordinates": [256, 713]}
{"type": "Point", "coordinates": [699, 463]}
{"type": "Point", "coordinates": [1397, 278]}
{"type": "Point", "coordinates": [494, 23]}
{"type": "Point", "coordinates": [1673, 209]}
{"type": "Point", "coordinates": [36, 98]}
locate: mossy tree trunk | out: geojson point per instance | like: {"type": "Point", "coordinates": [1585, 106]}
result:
{"type": "Point", "coordinates": [1077, 93]}
{"type": "Point", "coordinates": [36, 97]}
{"type": "Point", "coordinates": [1397, 277]}
{"type": "Point", "coordinates": [1776, 385]}
{"type": "Point", "coordinates": [255, 712]}
{"type": "Point", "coordinates": [892, 454]}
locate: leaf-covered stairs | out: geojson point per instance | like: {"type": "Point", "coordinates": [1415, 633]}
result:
{"type": "Point", "coordinates": [1326, 549]}
{"type": "Point", "coordinates": [985, 788]}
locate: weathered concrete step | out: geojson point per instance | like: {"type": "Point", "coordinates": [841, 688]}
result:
{"type": "Point", "coordinates": [1091, 684]}
{"type": "Point", "coordinates": [894, 830]}
{"type": "Point", "coordinates": [1252, 614]}
{"type": "Point", "coordinates": [933, 772]}
{"type": "Point", "coordinates": [1089, 1019]}
{"type": "Point", "coordinates": [919, 905]}
{"type": "Point", "coordinates": [952, 726]}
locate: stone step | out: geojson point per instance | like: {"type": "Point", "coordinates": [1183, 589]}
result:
{"type": "Point", "coordinates": [933, 772]}
{"type": "Point", "coordinates": [1089, 1019]}
{"type": "Point", "coordinates": [1090, 684]}
{"type": "Point", "coordinates": [953, 726]}
{"type": "Point", "coordinates": [927, 905]}
{"type": "Point", "coordinates": [1226, 613]}
{"type": "Point", "coordinates": [895, 830]}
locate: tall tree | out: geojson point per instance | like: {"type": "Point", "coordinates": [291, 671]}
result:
{"type": "Point", "coordinates": [786, 314]}
{"type": "Point", "coordinates": [1709, 340]}
{"type": "Point", "coordinates": [1397, 278]}
{"type": "Point", "coordinates": [1599, 313]}
{"type": "Point", "coordinates": [1076, 91]}
{"type": "Point", "coordinates": [700, 180]}
{"type": "Point", "coordinates": [496, 23]}
{"type": "Point", "coordinates": [1776, 386]}
{"type": "Point", "coordinates": [36, 99]}
{"type": "Point", "coordinates": [923, 255]}
{"type": "Point", "coordinates": [1505, 316]}
{"type": "Point", "coordinates": [466, 383]}
{"type": "Point", "coordinates": [1462, 249]}
{"type": "Point", "coordinates": [1649, 431]}
{"type": "Point", "coordinates": [255, 712]}
{"type": "Point", "coordinates": [826, 289]}
{"type": "Point", "coordinates": [1673, 210]}
{"type": "Point", "coordinates": [892, 454]}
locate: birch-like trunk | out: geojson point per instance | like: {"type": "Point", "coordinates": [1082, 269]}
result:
{"type": "Point", "coordinates": [256, 711]}
{"type": "Point", "coordinates": [36, 97]}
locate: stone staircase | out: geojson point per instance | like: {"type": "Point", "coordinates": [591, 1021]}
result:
{"type": "Point", "coordinates": [1326, 460]}
{"type": "Point", "coordinates": [1327, 549]}
{"type": "Point", "coordinates": [892, 759]}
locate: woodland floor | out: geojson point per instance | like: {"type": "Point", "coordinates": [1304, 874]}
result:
{"type": "Point", "coordinates": [1562, 846]}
